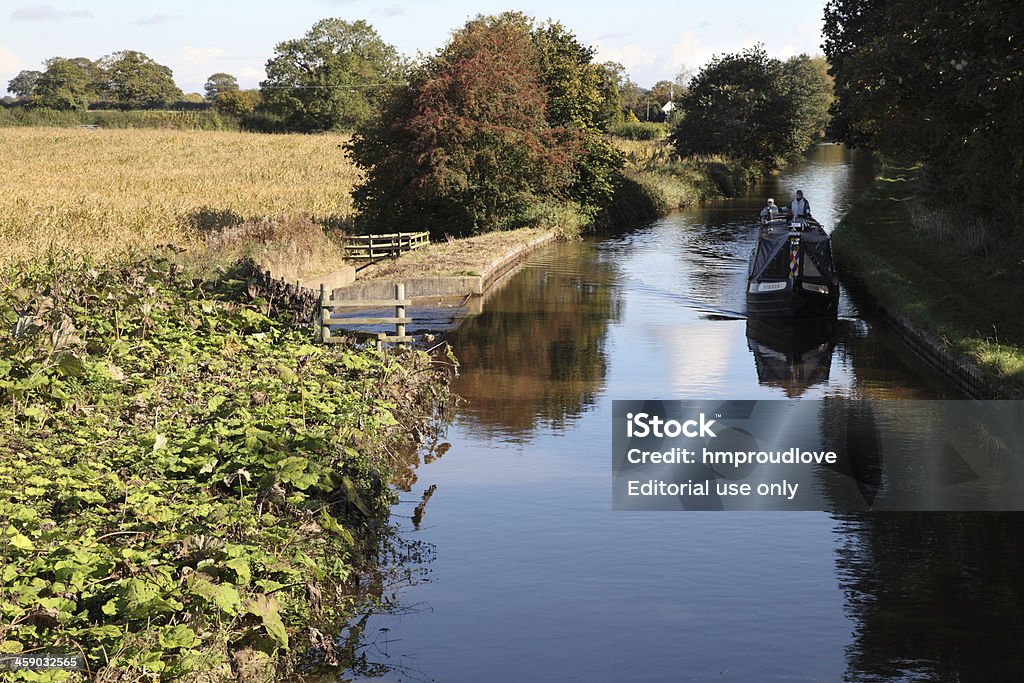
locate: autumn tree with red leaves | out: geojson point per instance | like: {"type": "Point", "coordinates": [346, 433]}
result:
{"type": "Point", "coordinates": [469, 146]}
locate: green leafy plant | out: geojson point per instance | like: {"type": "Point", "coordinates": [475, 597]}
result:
{"type": "Point", "coordinates": [189, 481]}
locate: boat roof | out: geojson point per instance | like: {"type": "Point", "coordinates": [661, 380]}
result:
{"type": "Point", "coordinates": [784, 224]}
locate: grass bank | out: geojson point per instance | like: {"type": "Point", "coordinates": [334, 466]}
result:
{"type": "Point", "coordinates": [656, 181]}
{"type": "Point", "coordinates": [191, 488]}
{"type": "Point", "coordinates": [952, 275]}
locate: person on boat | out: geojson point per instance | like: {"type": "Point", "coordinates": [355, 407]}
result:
{"type": "Point", "coordinates": [770, 211]}
{"type": "Point", "coordinates": [800, 207]}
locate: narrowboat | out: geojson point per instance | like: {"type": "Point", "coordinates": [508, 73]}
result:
{"type": "Point", "coordinates": [791, 272]}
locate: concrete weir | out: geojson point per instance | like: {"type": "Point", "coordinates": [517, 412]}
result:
{"type": "Point", "coordinates": [439, 302]}
{"type": "Point", "coordinates": [444, 289]}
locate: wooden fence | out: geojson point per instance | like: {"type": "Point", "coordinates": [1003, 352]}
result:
{"type": "Point", "coordinates": [329, 305]}
{"type": "Point", "coordinates": [373, 247]}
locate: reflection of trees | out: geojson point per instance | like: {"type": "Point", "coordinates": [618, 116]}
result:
{"type": "Point", "coordinates": [537, 351]}
{"type": "Point", "coordinates": [936, 596]}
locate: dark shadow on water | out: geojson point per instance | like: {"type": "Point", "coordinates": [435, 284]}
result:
{"type": "Point", "coordinates": [935, 596]}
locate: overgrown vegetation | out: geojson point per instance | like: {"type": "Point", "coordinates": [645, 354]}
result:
{"type": "Point", "coordinates": [961, 283]}
{"type": "Point", "coordinates": [192, 488]}
{"type": "Point", "coordinates": [656, 180]}
{"type": "Point", "coordinates": [639, 130]}
{"type": "Point", "coordinates": [937, 88]}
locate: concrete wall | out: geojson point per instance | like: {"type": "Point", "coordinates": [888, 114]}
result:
{"type": "Point", "coordinates": [444, 289]}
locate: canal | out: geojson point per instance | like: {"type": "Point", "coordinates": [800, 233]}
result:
{"type": "Point", "coordinates": [531, 576]}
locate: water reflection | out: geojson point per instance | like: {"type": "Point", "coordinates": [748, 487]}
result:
{"type": "Point", "coordinates": [793, 355]}
{"type": "Point", "coordinates": [536, 355]}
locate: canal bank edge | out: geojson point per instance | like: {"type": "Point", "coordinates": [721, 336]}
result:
{"type": "Point", "coordinates": [860, 256]}
{"type": "Point", "coordinates": [446, 289]}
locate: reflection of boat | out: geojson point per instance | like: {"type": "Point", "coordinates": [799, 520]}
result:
{"type": "Point", "coordinates": [791, 272]}
{"type": "Point", "coordinates": [792, 354]}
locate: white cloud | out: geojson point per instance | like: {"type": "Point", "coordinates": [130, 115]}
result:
{"type": "Point", "coordinates": [689, 52]}
{"type": "Point", "coordinates": [155, 19]}
{"type": "Point", "coordinates": [630, 56]}
{"type": "Point", "coordinates": [47, 13]}
{"type": "Point", "coordinates": [809, 31]}
{"type": "Point", "coordinates": [10, 65]}
{"type": "Point", "coordinates": [252, 75]}
{"type": "Point", "coordinates": [198, 55]}
{"type": "Point", "coordinates": [390, 11]}
{"type": "Point", "coordinates": [787, 51]}
{"type": "Point", "coordinates": [195, 64]}
{"type": "Point", "coordinates": [10, 61]}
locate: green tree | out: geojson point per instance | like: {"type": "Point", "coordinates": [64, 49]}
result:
{"type": "Point", "coordinates": [573, 81]}
{"type": "Point", "coordinates": [135, 80]}
{"type": "Point", "coordinates": [97, 89]}
{"type": "Point", "coordinates": [466, 147]}
{"type": "Point", "coordinates": [64, 85]}
{"type": "Point", "coordinates": [576, 101]}
{"type": "Point", "coordinates": [218, 83]}
{"type": "Point", "coordinates": [634, 98]}
{"type": "Point", "coordinates": [612, 110]}
{"type": "Point", "coordinates": [807, 81]}
{"type": "Point", "coordinates": [740, 105]}
{"type": "Point", "coordinates": [235, 103]}
{"type": "Point", "coordinates": [334, 77]}
{"type": "Point", "coordinates": [941, 83]}
{"type": "Point", "coordinates": [24, 84]}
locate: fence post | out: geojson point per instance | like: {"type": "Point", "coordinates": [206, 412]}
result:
{"type": "Point", "coordinates": [324, 329]}
{"type": "Point", "coordinates": [400, 311]}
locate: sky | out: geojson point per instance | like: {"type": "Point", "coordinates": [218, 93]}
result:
{"type": "Point", "coordinates": [196, 38]}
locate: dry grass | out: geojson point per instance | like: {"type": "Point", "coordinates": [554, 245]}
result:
{"type": "Point", "coordinates": [293, 248]}
{"type": "Point", "coordinates": [108, 191]}
{"type": "Point", "coordinates": [469, 256]}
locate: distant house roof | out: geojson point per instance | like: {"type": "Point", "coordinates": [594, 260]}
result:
{"type": "Point", "coordinates": [669, 107]}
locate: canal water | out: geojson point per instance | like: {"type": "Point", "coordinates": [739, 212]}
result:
{"type": "Point", "coordinates": [532, 577]}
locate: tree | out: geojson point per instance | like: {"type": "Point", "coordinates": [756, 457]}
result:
{"type": "Point", "coordinates": [611, 112]}
{"type": "Point", "coordinates": [634, 98]}
{"type": "Point", "coordinates": [939, 83]}
{"type": "Point", "coordinates": [467, 146]}
{"type": "Point", "coordinates": [23, 85]}
{"type": "Point", "coordinates": [576, 101]}
{"type": "Point", "coordinates": [64, 85]}
{"type": "Point", "coordinates": [135, 80]}
{"type": "Point", "coordinates": [334, 77]}
{"type": "Point", "coordinates": [746, 106]}
{"type": "Point", "coordinates": [218, 83]}
{"type": "Point", "coordinates": [235, 103]}
{"type": "Point", "coordinates": [809, 82]}
{"type": "Point", "coordinates": [97, 88]}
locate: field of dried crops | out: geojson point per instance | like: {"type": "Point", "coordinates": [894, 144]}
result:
{"type": "Point", "coordinates": [109, 191]}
